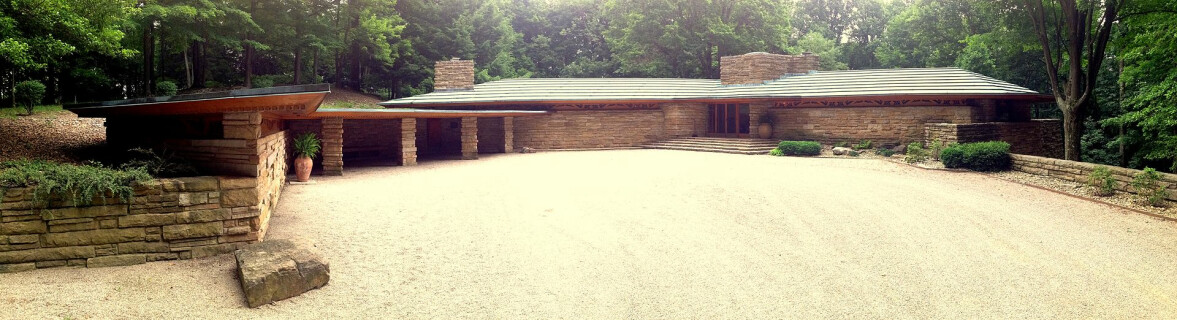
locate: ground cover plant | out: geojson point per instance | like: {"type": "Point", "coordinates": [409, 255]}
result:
{"type": "Point", "coordinates": [1102, 182]}
{"type": "Point", "coordinates": [916, 153]}
{"type": "Point", "coordinates": [77, 185]}
{"type": "Point", "coordinates": [864, 145]}
{"type": "Point", "coordinates": [977, 156]}
{"type": "Point", "coordinates": [1149, 187]}
{"type": "Point", "coordinates": [797, 148]}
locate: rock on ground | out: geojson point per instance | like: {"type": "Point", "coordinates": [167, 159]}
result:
{"type": "Point", "coordinates": [279, 269]}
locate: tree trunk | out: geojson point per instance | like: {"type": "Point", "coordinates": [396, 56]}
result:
{"type": "Point", "coordinates": [1072, 132]}
{"type": "Point", "coordinates": [187, 70]}
{"type": "Point", "coordinates": [297, 66]}
{"type": "Point", "coordinates": [249, 49]}
{"type": "Point", "coordinates": [315, 67]}
{"type": "Point", "coordinates": [199, 65]}
{"type": "Point", "coordinates": [148, 58]}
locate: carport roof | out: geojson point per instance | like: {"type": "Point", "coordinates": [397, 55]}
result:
{"type": "Point", "coordinates": [925, 82]}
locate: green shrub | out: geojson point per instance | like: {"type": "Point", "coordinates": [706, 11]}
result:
{"type": "Point", "coordinates": [163, 164]}
{"type": "Point", "coordinates": [29, 94]}
{"type": "Point", "coordinates": [885, 152]}
{"type": "Point", "coordinates": [1148, 186]}
{"type": "Point", "coordinates": [978, 156]}
{"type": "Point", "coordinates": [263, 82]}
{"type": "Point", "coordinates": [936, 148]}
{"type": "Point", "coordinates": [79, 185]}
{"type": "Point", "coordinates": [776, 152]}
{"type": "Point", "coordinates": [270, 80]}
{"type": "Point", "coordinates": [307, 145]}
{"type": "Point", "coordinates": [864, 145]}
{"type": "Point", "coordinates": [853, 153]}
{"type": "Point", "coordinates": [799, 148]}
{"type": "Point", "coordinates": [166, 88]}
{"type": "Point", "coordinates": [841, 144]}
{"type": "Point", "coordinates": [916, 153]}
{"type": "Point", "coordinates": [1101, 180]}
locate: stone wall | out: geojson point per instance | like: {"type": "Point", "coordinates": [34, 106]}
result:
{"type": "Point", "coordinates": [685, 119]}
{"type": "Point", "coordinates": [757, 67]}
{"type": "Point", "coordinates": [1038, 137]}
{"type": "Point", "coordinates": [881, 125]}
{"type": "Point", "coordinates": [590, 129]}
{"type": "Point", "coordinates": [453, 75]}
{"type": "Point", "coordinates": [166, 219]}
{"type": "Point", "coordinates": [1079, 171]}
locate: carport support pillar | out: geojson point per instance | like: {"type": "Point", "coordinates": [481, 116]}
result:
{"type": "Point", "coordinates": [333, 146]}
{"type": "Point", "coordinates": [408, 142]}
{"type": "Point", "coordinates": [508, 134]}
{"type": "Point", "coordinates": [469, 138]}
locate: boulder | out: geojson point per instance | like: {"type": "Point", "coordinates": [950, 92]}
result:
{"type": "Point", "coordinates": [841, 151]}
{"type": "Point", "coordinates": [900, 149]}
{"type": "Point", "coordinates": [275, 270]}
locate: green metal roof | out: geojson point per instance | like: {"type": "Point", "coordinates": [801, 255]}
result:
{"type": "Point", "coordinates": [820, 84]}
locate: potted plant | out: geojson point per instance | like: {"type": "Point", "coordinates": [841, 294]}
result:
{"type": "Point", "coordinates": [306, 146]}
{"type": "Point", "coordinates": [766, 120]}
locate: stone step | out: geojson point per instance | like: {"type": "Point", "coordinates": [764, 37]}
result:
{"type": "Point", "coordinates": [715, 150]}
{"type": "Point", "coordinates": [711, 146]}
{"type": "Point", "coordinates": [724, 139]}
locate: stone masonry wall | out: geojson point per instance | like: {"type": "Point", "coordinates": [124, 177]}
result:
{"type": "Point", "coordinates": [757, 67]}
{"type": "Point", "coordinates": [685, 119]}
{"type": "Point", "coordinates": [589, 129]}
{"type": "Point", "coordinates": [881, 125]}
{"type": "Point", "coordinates": [1079, 171]}
{"type": "Point", "coordinates": [1038, 137]}
{"type": "Point", "coordinates": [453, 75]}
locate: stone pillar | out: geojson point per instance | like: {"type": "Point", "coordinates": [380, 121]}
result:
{"type": "Point", "coordinates": [333, 146]}
{"type": "Point", "coordinates": [508, 134]}
{"type": "Point", "coordinates": [469, 138]}
{"type": "Point", "coordinates": [408, 142]}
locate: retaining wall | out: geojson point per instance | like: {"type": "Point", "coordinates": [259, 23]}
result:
{"type": "Point", "coordinates": [1079, 171]}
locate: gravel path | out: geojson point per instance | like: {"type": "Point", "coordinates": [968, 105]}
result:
{"type": "Point", "coordinates": [665, 234]}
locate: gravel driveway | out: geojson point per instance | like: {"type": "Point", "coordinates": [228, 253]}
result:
{"type": "Point", "coordinates": [665, 234]}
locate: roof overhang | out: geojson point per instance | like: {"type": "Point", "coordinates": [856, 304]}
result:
{"type": "Point", "coordinates": [290, 100]}
{"type": "Point", "coordinates": [1029, 98]}
{"type": "Point", "coordinates": [399, 113]}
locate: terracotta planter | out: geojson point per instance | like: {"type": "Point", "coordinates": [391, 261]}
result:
{"type": "Point", "coordinates": [765, 131]}
{"type": "Point", "coordinates": [302, 168]}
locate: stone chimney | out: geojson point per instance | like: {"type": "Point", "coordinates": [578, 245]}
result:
{"type": "Point", "coordinates": [758, 67]}
{"type": "Point", "coordinates": [452, 75]}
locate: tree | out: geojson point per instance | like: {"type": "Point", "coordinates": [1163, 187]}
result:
{"type": "Point", "coordinates": [29, 94]}
{"type": "Point", "coordinates": [928, 33]}
{"type": "Point", "coordinates": [1150, 78]}
{"type": "Point", "coordinates": [1074, 36]}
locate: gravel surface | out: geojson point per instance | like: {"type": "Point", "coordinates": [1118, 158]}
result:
{"type": "Point", "coordinates": [664, 234]}
{"type": "Point", "coordinates": [59, 136]}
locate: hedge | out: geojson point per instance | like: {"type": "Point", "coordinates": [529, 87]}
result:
{"type": "Point", "coordinates": [979, 156]}
{"type": "Point", "coordinates": [797, 148]}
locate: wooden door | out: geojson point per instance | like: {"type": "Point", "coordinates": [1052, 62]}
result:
{"type": "Point", "coordinates": [728, 120]}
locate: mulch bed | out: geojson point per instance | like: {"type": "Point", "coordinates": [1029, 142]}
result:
{"type": "Point", "coordinates": [58, 136]}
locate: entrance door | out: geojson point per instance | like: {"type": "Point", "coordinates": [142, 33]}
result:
{"type": "Point", "coordinates": [728, 120]}
{"type": "Point", "coordinates": [433, 137]}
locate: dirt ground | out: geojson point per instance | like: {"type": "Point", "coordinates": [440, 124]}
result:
{"type": "Point", "coordinates": [664, 234]}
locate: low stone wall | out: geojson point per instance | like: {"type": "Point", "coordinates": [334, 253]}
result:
{"type": "Point", "coordinates": [590, 129]}
{"type": "Point", "coordinates": [881, 125]}
{"type": "Point", "coordinates": [1038, 137]}
{"type": "Point", "coordinates": [1079, 171]}
{"type": "Point", "coordinates": [166, 219]}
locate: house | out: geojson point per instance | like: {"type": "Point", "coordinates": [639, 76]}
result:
{"type": "Point", "coordinates": [247, 132]}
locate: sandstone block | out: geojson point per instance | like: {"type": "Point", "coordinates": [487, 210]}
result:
{"type": "Point", "coordinates": [24, 239]}
{"type": "Point", "coordinates": [146, 220]}
{"type": "Point", "coordinates": [230, 183]}
{"type": "Point", "coordinates": [208, 251]}
{"type": "Point", "coordinates": [24, 227]}
{"type": "Point", "coordinates": [116, 260]}
{"type": "Point", "coordinates": [197, 184]}
{"type": "Point", "coordinates": [196, 230]}
{"type": "Point", "coordinates": [50, 264]}
{"type": "Point", "coordinates": [20, 267]}
{"type": "Point", "coordinates": [279, 269]}
{"type": "Point", "coordinates": [143, 247]}
{"type": "Point", "coordinates": [46, 254]}
{"type": "Point", "coordinates": [204, 216]}
{"type": "Point", "coordinates": [152, 257]}
{"type": "Point", "coordinates": [85, 212]}
{"type": "Point", "coordinates": [91, 225]}
{"type": "Point", "coordinates": [239, 198]}
{"type": "Point", "coordinates": [101, 236]}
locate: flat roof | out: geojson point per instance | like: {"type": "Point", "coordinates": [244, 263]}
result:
{"type": "Point", "coordinates": [912, 82]}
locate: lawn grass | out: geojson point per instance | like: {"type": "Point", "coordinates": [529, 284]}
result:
{"type": "Point", "coordinates": [14, 112]}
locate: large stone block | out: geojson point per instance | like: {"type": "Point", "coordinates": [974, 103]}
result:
{"type": "Point", "coordinates": [101, 236]}
{"type": "Point", "coordinates": [279, 269]}
{"type": "Point", "coordinates": [143, 247]}
{"type": "Point", "coordinates": [84, 212]}
{"type": "Point", "coordinates": [196, 230]}
{"type": "Point", "coordinates": [116, 260]}
{"type": "Point", "coordinates": [204, 216]}
{"type": "Point", "coordinates": [239, 198]}
{"type": "Point", "coordinates": [24, 227]}
{"type": "Point", "coordinates": [19, 267]}
{"type": "Point", "coordinates": [46, 254]}
{"type": "Point", "coordinates": [146, 220]}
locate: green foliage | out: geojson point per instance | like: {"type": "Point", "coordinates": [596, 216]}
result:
{"type": "Point", "coordinates": [776, 152]}
{"type": "Point", "coordinates": [841, 144]}
{"type": "Point", "coordinates": [261, 82]}
{"type": "Point", "coordinates": [936, 147]}
{"type": "Point", "coordinates": [977, 156]}
{"type": "Point", "coordinates": [77, 185]}
{"type": "Point", "coordinates": [916, 153]}
{"type": "Point", "coordinates": [163, 164]}
{"type": "Point", "coordinates": [864, 145]}
{"type": "Point", "coordinates": [854, 153]}
{"type": "Point", "coordinates": [1148, 186]}
{"type": "Point", "coordinates": [307, 145]}
{"type": "Point", "coordinates": [829, 54]}
{"type": "Point", "coordinates": [885, 152]}
{"type": "Point", "coordinates": [29, 94]}
{"type": "Point", "coordinates": [166, 88]}
{"type": "Point", "coordinates": [1102, 182]}
{"type": "Point", "coordinates": [799, 148]}
{"type": "Point", "coordinates": [13, 112]}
